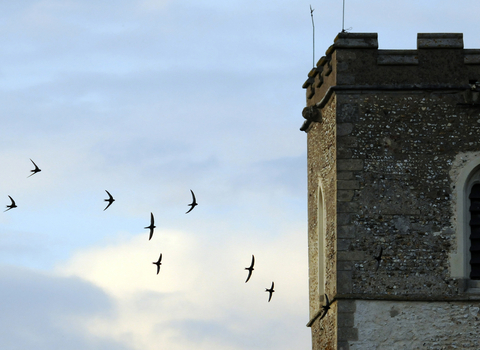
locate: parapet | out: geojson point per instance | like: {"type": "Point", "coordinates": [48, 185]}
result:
{"type": "Point", "coordinates": [354, 60]}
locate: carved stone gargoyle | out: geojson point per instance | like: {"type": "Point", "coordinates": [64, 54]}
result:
{"type": "Point", "coordinates": [311, 114]}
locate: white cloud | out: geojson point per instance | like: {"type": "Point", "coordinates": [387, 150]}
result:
{"type": "Point", "coordinates": [200, 286]}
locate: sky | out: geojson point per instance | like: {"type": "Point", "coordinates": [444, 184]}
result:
{"type": "Point", "coordinates": [150, 99]}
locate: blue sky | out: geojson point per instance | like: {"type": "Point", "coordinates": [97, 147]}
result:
{"type": "Point", "coordinates": [149, 99]}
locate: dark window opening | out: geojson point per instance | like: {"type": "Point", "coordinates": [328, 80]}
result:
{"type": "Point", "coordinates": [475, 232]}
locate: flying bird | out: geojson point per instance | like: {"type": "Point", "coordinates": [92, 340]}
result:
{"type": "Point", "coordinates": [158, 263]}
{"type": "Point", "coordinates": [250, 269]}
{"type": "Point", "coordinates": [34, 171]}
{"type": "Point", "coordinates": [325, 307]}
{"type": "Point", "coordinates": [110, 200]}
{"type": "Point", "coordinates": [11, 206]}
{"type": "Point", "coordinates": [193, 204]}
{"type": "Point", "coordinates": [379, 258]}
{"type": "Point", "coordinates": [152, 226]}
{"type": "Point", "coordinates": [270, 291]}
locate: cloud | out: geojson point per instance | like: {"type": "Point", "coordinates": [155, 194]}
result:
{"type": "Point", "coordinates": [199, 299]}
{"type": "Point", "coordinates": [42, 311]}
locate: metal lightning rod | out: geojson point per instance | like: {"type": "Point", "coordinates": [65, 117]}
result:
{"type": "Point", "coordinates": [313, 26]}
{"type": "Point", "coordinates": [343, 17]}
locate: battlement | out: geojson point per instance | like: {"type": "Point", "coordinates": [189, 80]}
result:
{"type": "Point", "coordinates": [355, 60]}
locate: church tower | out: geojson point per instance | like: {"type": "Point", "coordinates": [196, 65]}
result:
{"type": "Point", "coordinates": [394, 194]}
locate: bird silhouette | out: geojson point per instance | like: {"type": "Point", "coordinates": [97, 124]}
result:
{"type": "Point", "coordinates": [325, 307]}
{"type": "Point", "coordinates": [158, 263]}
{"type": "Point", "coordinates": [11, 206]}
{"type": "Point", "coordinates": [34, 171]}
{"type": "Point", "coordinates": [250, 269]}
{"type": "Point", "coordinates": [193, 204]}
{"type": "Point", "coordinates": [378, 258]}
{"type": "Point", "coordinates": [270, 291]}
{"type": "Point", "coordinates": [110, 200]}
{"type": "Point", "coordinates": [152, 226]}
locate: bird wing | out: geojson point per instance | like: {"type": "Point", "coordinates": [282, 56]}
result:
{"type": "Point", "coordinates": [328, 301]}
{"type": "Point", "coordinates": [160, 258]}
{"type": "Point", "coordinates": [152, 220]}
{"type": "Point", "coordinates": [193, 196]}
{"type": "Point", "coordinates": [107, 206]}
{"type": "Point", "coordinates": [249, 274]}
{"type": "Point", "coordinates": [13, 202]}
{"type": "Point", "coordinates": [272, 286]}
{"type": "Point", "coordinates": [36, 167]}
{"type": "Point", "coordinates": [190, 209]}
{"type": "Point", "coordinates": [151, 233]}
{"type": "Point", "coordinates": [253, 262]}
{"type": "Point", "coordinates": [109, 196]}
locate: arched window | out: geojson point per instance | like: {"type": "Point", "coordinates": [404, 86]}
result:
{"type": "Point", "coordinates": [465, 258]}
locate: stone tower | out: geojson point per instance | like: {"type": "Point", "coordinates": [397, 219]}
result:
{"type": "Point", "coordinates": [394, 167]}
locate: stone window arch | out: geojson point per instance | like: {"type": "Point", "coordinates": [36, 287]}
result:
{"type": "Point", "coordinates": [465, 175]}
{"type": "Point", "coordinates": [321, 227]}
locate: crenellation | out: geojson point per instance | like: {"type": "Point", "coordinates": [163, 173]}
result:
{"type": "Point", "coordinates": [355, 60]}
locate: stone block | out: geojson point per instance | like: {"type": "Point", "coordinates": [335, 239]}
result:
{"type": "Point", "coordinates": [344, 129]}
{"type": "Point", "coordinates": [347, 333]}
{"type": "Point", "coordinates": [344, 175]}
{"type": "Point", "coordinates": [348, 185]}
{"type": "Point", "coordinates": [345, 195]}
{"type": "Point", "coordinates": [349, 164]}
{"type": "Point", "coordinates": [345, 306]}
{"type": "Point", "coordinates": [344, 153]}
{"type": "Point", "coordinates": [343, 244]}
{"type": "Point", "coordinates": [344, 282]}
{"type": "Point", "coordinates": [347, 141]}
{"type": "Point", "coordinates": [346, 231]}
{"type": "Point", "coordinates": [347, 207]}
{"type": "Point", "coordinates": [344, 265]}
{"type": "Point", "coordinates": [345, 319]}
{"type": "Point", "coordinates": [343, 219]}
{"type": "Point", "coordinates": [351, 256]}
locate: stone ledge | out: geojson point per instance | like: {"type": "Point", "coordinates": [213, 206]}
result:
{"type": "Point", "coordinates": [356, 41]}
{"type": "Point", "coordinates": [440, 41]}
{"type": "Point", "coordinates": [411, 297]}
{"type": "Point", "coordinates": [472, 57]}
